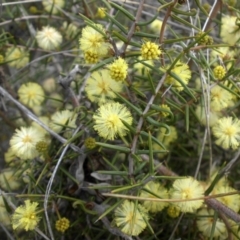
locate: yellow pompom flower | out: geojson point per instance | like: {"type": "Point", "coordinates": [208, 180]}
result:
{"type": "Point", "coordinates": [206, 222]}
{"type": "Point", "coordinates": [182, 71]}
{"type": "Point", "coordinates": [108, 120]}
{"type": "Point", "coordinates": [100, 87]}
{"type": "Point", "coordinates": [63, 119]}
{"type": "Point", "coordinates": [91, 57]}
{"type": "Point", "coordinates": [48, 38]}
{"type": "Point", "coordinates": [231, 201]}
{"type": "Point", "coordinates": [227, 132]}
{"type": "Point", "coordinates": [118, 69]}
{"type": "Point", "coordinates": [186, 189]}
{"type": "Point", "coordinates": [101, 12]}
{"type": "Point", "coordinates": [173, 211]}
{"type": "Point", "coordinates": [23, 142]}
{"type": "Point", "coordinates": [62, 224]}
{"type": "Point", "coordinates": [53, 5]}
{"type": "Point", "coordinates": [154, 190]}
{"type": "Point", "coordinates": [156, 26]}
{"type": "Point", "coordinates": [220, 98]}
{"type": "Point", "coordinates": [150, 50]}
{"type": "Point", "coordinates": [94, 41]}
{"type": "Point", "coordinates": [219, 72]}
{"type": "Point", "coordinates": [31, 94]}
{"type": "Point", "coordinates": [230, 31]}
{"type": "Point", "coordinates": [163, 113]}
{"type": "Point", "coordinates": [131, 218]}
{"type": "Point", "coordinates": [25, 216]}
{"type": "Point", "coordinates": [90, 143]}
{"type": "Point", "coordinates": [17, 57]}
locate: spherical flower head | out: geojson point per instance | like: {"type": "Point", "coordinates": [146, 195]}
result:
{"type": "Point", "coordinates": [17, 57]}
{"type": "Point", "coordinates": [23, 142]}
{"type": "Point", "coordinates": [42, 146]}
{"type": "Point", "coordinates": [230, 31]}
{"type": "Point", "coordinates": [183, 72]}
{"type": "Point", "coordinates": [63, 119]}
{"type": "Point", "coordinates": [31, 94]}
{"type": "Point", "coordinates": [142, 69]}
{"type": "Point", "coordinates": [150, 51]}
{"type": "Point", "coordinates": [100, 87]}
{"type": "Point", "coordinates": [206, 40]}
{"type": "Point", "coordinates": [213, 116]}
{"type": "Point", "coordinates": [94, 41]}
{"type": "Point", "coordinates": [163, 113]}
{"type": "Point", "coordinates": [154, 190]}
{"type": "Point", "coordinates": [90, 143]}
{"type": "Point", "coordinates": [206, 222]}
{"type": "Point", "coordinates": [231, 201]}
{"type": "Point", "coordinates": [173, 211]}
{"type": "Point", "coordinates": [219, 72]}
{"type": "Point", "coordinates": [156, 26]}
{"type": "Point", "coordinates": [101, 12]}
{"type": "Point", "coordinates": [227, 132]}
{"type": "Point", "coordinates": [25, 216]}
{"type": "Point", "coordinates": [9, 179]}
{"type": "Point", "coordinates": [48, 38]}
{"type": "Point", "coordinates": [53, 5]}
{"type": "Point", "coordinates": [118, 69]}
{"type": "Point", "coordinates": [131, 218]}
{"type": "Point", "coordinates": [186, 189]}
{"type": "Point", "coordinates": [62, 224]}
{"type": "Point", "coordinates": [220, 98]}
{"type": "Point", "coordinates": [108, 120]}
{"type": "Point", "coordinates": [91, 57]}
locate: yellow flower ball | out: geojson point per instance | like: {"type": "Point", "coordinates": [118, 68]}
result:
{"type": "Point", "coordinates": [150, 51]}
{"type": "Point", "coordinates": [31, 94]}
{"type": "Point", "coordinates": [108, 120]}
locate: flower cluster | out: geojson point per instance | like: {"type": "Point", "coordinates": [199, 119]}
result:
{"type": "Point", "coordinates": [25, 216]}
{"type": "Point", "coordinates": [48, 38]}
{"type": "Point", "coordinates": [109, 120]}
{"type": "Point", "coordinates": [230, 31]}
{"type": "Point", "coordinates": [31, 94]}
{"type": "Point", "coordinates": [227, 132]}
{"type": "Point", "coordinates": [101, 88]}
{"type": "Point", "coordinates": [118, 69]}
{"type": "Point", "coordinates": [154, 190]}
{"type": "Point", "coordinates": [62, 224]}
{"type": "Point", "coordinates": [187, 189]}
{"type": "Point", "coordinates": [23, 142]}
{"type": "Point", "coordinates": [17, 57]}
{"type": "Point", "coordinates": [93, 43]}
{"type": "Point", "coordinates": [182, 75]}
{"type": "Point", "coordinates": [150, 51]}
{"type": "Point", "coordinates": [131, 218]}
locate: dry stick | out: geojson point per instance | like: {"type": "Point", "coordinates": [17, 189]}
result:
{"type": "Point", "coordinates": [164, 23]}
{"type": "Point", "coordinates": [132, 29]}
{"type": "Point", "coordinates": [140, 123]}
